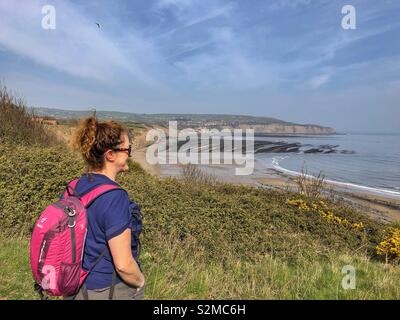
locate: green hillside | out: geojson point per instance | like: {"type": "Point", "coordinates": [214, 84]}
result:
{"type": "Point", "coordinates": [207, 240]}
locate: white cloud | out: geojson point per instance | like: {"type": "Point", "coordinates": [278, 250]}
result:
{"type": "Point", "coordinates": [280, 4]}
{"type": "Point", "coordinates": [191, 13]}
{"type": "Point", "coordinates": [169, 3]}
{"type": "Point", "coordinates": [319, 81]}
{"type": "Point", "coordinates": [77, 46]}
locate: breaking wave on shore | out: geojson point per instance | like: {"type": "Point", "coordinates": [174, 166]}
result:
{"type": "Point", "coordinates": [276, 164]}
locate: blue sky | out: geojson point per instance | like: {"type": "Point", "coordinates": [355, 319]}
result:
{"type": "Point", "coordinates": [289, 59]}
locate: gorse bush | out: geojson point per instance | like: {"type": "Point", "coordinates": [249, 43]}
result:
{"type": "Point", "coordinates": [16, 125]}
{"type": "Point", "coordinates": [32, 177]}
{"type": "Point", "coordinates": [244, 220]}
{"type": "Point", "coordinates": [205, 241]}
{"type": "Point", "coordinates": [320, 207]}
{"type": "Point", "coordinates": [390, 246]}
{"type": "Point", "coordinates": [222, 218]}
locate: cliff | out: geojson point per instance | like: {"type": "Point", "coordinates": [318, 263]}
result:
{"type": "Point", "coordinates": [277, 128]}
{"type": "Point", "coordinates": [260, 124]}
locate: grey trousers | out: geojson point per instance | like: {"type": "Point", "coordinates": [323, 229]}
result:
{"type": "Point", "coordinates": [121, 292]}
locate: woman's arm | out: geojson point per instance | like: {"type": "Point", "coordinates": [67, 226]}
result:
{"type": "Point", "coordinates": [124, 262]}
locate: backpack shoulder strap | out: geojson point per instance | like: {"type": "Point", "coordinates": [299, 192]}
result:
{"type": "Point", "coordinates": [70, 190]}
{"type": "Point", "coordinates": [88, 198]}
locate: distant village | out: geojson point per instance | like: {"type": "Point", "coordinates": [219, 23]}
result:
{"type": "Point", "coordinates": [45, 120]}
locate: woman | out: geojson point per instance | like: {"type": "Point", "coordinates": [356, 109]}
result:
{"type": "Point", "coordinates": [111, 244]}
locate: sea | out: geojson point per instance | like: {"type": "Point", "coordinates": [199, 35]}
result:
{"type": "Point", "coordinates": [368, 162]}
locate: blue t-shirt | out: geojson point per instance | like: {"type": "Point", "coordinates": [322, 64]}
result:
{"type": "Point", "coordinates": [108, 216]}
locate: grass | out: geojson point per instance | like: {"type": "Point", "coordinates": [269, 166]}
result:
{"type": "Point", "coordinates": [15, 274]}
{"type": "Point", "coordinates": [181, 270]}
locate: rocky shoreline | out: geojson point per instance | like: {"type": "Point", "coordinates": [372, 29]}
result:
{"type": "Point", "coordinates": [264, 146]}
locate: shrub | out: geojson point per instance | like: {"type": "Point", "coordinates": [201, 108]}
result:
{"type": "Point", "coordinates": [309, 185]}
{"type": "Point", "coordinates": [16, 125]}
{"type": "Point", "coordinates": [390, 246]}
{"type": "Point", "coordinates": [224, 219]}
{"type": "Point", "coordinates": [32, 177]}
{"type": "Point", "coordinates": [192, 174]}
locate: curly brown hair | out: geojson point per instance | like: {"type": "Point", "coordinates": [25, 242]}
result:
{"type": "Point", "coordinates": [93, 138]}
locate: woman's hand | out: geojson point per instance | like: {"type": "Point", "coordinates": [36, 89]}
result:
{"type": "Point", "coordinates": [125, 264]}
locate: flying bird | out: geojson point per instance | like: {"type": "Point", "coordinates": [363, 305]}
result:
{"type": "Point", "coordinates": [98, 25]}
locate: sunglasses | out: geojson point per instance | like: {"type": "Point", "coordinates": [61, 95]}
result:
{"type": "Point", "coordinates": [125, 149]}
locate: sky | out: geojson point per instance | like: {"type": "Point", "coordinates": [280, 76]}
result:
{"type": "Point", "coordinates": [288, 59]}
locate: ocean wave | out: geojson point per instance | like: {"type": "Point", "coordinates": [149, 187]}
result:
{"type": "Point", "coordinates": [276, 165]}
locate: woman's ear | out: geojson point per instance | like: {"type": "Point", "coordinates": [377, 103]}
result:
{"type": "Point", "coordinates": [109, 155]}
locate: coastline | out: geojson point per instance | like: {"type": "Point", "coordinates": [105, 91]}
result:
{"type": "Point", "coordinates": [139, 156]}
{"type": "Point", "coordinates": [382, 207]}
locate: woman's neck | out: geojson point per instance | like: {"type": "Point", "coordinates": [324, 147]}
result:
{"type": "Point", "coordinates": [111, 174]}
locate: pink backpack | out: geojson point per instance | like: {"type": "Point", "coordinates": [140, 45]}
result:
{"type": "Point", "coordinates": [58, 241]}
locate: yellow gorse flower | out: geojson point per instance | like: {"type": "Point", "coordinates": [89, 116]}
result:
{"type": "Point", "coordinates": [390, 246]}
{"type": "Point", "coordinates": [321, 208]}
